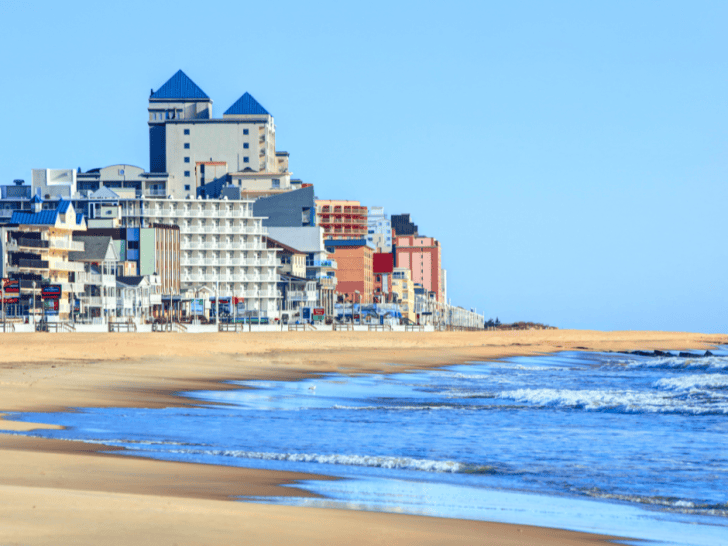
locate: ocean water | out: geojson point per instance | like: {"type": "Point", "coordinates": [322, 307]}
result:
{"type": "Point", "coordinates": [600, 442]}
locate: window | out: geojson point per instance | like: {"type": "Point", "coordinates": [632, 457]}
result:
{"type": "Point", "coordinates": [276, 182]}
{"type": "Point", "coordinates": [246, 159]}
{"type": "Point", "coordinates": [187, 159]}
{"type": "Point", "coordinates": [245, 131]}
{"type": "Point", "coordinates": [187, 131]}
{"type": "Point", "coordinates": [187, 145]}
{"type": "Point", "coordinates": [246, 145]}
{"type": "Point", "coordinates": [187, 187]}
{"type": "Point", "coordinates": [187, 173]}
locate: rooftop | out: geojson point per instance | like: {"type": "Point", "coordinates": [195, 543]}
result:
{"type": "Point", "coordinates": [179, 86]}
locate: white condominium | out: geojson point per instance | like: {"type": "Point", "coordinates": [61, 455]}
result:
{"type": "Point", "coordinates": [222, 247]}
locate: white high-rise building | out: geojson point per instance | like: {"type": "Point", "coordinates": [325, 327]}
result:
{"type": "Point", "coordinates": [222, 246]}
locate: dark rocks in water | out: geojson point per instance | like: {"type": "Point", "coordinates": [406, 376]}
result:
{"type": "Point", "coordinates": [683, 354]}
{"type": "Point", "coordinates": [650, 353]}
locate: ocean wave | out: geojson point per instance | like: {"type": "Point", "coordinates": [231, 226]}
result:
{"type": "Point", "coordinates": [372, 461]}
{"type": "Point", "coordinates": [603, 400]}
{"type": "Point", "coordinates": [672, 504]}
{"type": "Point", "coordinates": [675, 363]}
{"type": "Point", "coordinates": [694, 382]}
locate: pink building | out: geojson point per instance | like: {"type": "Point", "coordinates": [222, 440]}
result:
{"type": "Point", "coordinates": [421, 255]}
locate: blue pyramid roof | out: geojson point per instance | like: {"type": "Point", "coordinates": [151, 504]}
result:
{"type": "Point", "coordinates": [179, 86]}
{"type": "Point", "coordinates": [245, 106]}
{"type": "Point", "coordinates": [36, 199]}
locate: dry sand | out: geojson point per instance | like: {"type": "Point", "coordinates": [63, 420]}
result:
{"type": "Point", "coordinates": [60, 492]}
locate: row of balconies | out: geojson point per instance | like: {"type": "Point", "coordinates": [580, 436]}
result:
{"type": "Point", "coordinates": [244, 262]}
{"type": "Point", "coordinates": [328, 209]}
{"type": "Point", "coordinates": [176, 213]}
{"type": "Point", "coordinates": [50, 243]}
{"type": "Point", "coordinates": [53, 265]}
{"type": "Point", "coordinates": [240, 262]}
{"type": "Point", "coordinates": [215, 245]}
{"type": "Point", "coordinates": [234, 277]}
{"type": "Point", "coordinates": [222, 245]}
{"type": "Point", "coordinates": [349, 220]}
{"type": "Point", "coordinates": [192, 228]}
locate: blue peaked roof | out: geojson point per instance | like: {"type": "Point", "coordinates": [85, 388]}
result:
{"type": "Point", "coordinates": [245, 106]}
{"type": "Point", "coordinates": [36, 199]}
{"type": "Point", "coordinates": [42, 218]}
{"type": "Point", "coordinates": [63, 206]}
{"type": "Point", "coordinates": [179, 86]}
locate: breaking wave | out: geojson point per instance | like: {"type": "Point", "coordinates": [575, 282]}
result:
{"type": "Point", "coordinates": [673, 504]}
{"type": "Point", "coordinates": [603, 400]}
{"type": "Point", "coordinates": [676, 363]}
{"type": "Point", "coordinates": [372, 461]}
{"type": "Point", "coordinates": [694, 382]}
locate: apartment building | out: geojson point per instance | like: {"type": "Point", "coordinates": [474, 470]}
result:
{"type": "Point", "coordinates": [222, 247]}
{"type": "Point", "coordinates": [38, 247]}
{"type": "Point", "coordinates": [355, 280]}
{"type": "Point", "coordinates": [342, 220]}
{"type": "Point", "coordinates": [99, 258]}
{"type": "Point", "coordinates": [379, 230]}
{"type": "Point", "coordinates": [421, 255]}
{"type": "Point", "coordinates": [404, 291]}
{"type": "Point", "coordinates": [192, 148]}
{"type": "Point", "coordinates": [319, 267]}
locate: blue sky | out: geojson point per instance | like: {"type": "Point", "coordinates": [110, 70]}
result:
{"type": "Point", "coordinates": [571, 157]}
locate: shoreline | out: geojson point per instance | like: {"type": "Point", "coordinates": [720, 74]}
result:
{"type": "Point", "coordinates": [149, 370]}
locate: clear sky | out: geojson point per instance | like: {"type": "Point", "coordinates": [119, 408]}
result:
{"type": "Point", "coordinates": [571, 157]}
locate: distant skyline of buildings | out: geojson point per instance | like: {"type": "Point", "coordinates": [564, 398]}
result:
{"type": "Point", "coordinates": [222, 185]}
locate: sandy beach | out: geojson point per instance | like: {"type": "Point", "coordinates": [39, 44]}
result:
{"type": "Point", "coordinates": [61, 492]}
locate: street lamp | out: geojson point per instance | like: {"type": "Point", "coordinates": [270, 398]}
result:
{"type": "Point", "coordinates": [352, 311]}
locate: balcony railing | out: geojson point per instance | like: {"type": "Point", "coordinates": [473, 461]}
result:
{"type": "Point", "coordinates": [31, 264]}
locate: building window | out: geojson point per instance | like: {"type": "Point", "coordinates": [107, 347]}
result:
{"type": "Point", "coordinates": [187, 159]}
{"type": "Point", "coordinates": [246, 145]}
{"type": "Point", "coordinates": [245, 131]}
{"type": "Point", "coordinates": [187, 173]}
{"type": "Point", "coordinates": [187, 131]}
{"type": "Point", "coordinates": [246, 159]}
{"type": "Point", "coordinates": [187, 187]}
{"type": "Point", "coordinates": [187, 145]}
{"type": "Point", "coordinates": [276, 182]}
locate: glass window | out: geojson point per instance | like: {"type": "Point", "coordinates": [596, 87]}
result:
{"type": "Point", "coordinates": [187, 145]}
{"type": "Point", "coordinates": [245, 131]}
{"type": "Point", "coordinates": [246, 145]}
{"type": "Point", "coordinates": [187, 131]}
{"type": "Point", "coordinates": [187, 187]}
{"type": "Point", "coordinates": [246, 159]}
{"type": "Point", "coordinates": [187, 173]}
{"type": "Point", "coordinates": [187, 159]}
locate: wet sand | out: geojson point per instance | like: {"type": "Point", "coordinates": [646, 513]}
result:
{"type": "Point", "coordinates": [61, 492]}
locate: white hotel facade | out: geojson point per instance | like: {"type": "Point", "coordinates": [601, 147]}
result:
{"type": "Point", "coordinates": [223, 250]}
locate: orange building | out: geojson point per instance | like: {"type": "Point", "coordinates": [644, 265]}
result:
{"type": "Point", "coordinates": [354, 272]}
{"type": "Point", "coordinates": [342, 219]}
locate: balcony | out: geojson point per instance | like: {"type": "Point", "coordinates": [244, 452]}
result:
{"type": "Point", "coordinates": [66, 244]}
{"type": "Point", "coordinates": [155, 192]}
{"type": "Point", "coordinates": [59, 265]}
{"type": "Point", "coordinates": [30, 264]}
